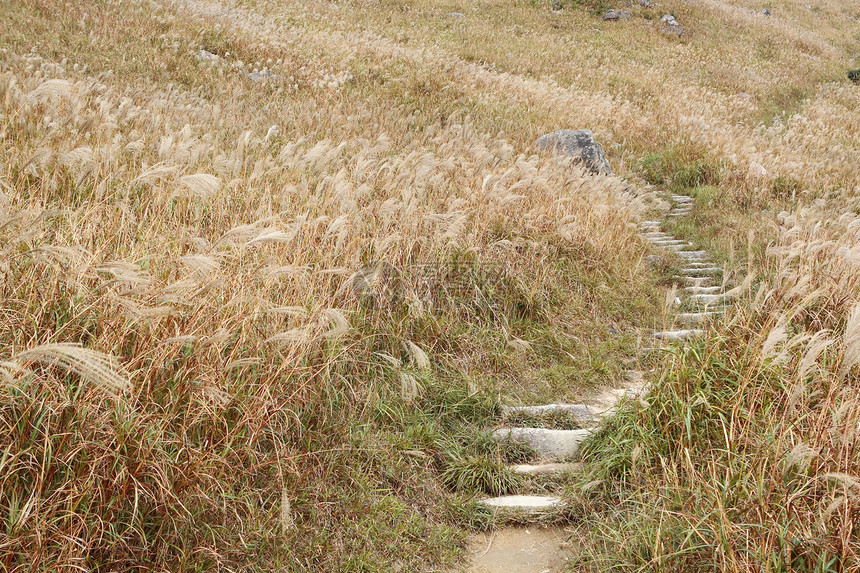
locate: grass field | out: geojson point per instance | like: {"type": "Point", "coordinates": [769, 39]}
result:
{"type": "Point", "coordinates": [268, 270]}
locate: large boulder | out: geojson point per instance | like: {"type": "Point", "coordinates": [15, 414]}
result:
{"type": "Point", "coordinates": [579, 144]}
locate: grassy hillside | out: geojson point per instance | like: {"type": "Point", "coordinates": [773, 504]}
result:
{"type": "Point", "coordinates": [267, 270]}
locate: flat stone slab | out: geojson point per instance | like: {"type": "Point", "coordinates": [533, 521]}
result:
{"type": "Point", "coordinates": [696, 272]}
{"type": "Point", "coordinates": [698, 265]}
{"type": "Point", "coordinates": [678, 334]}
{"type": "Point", "coordinates": [697, 317]}
{"type": "Point", "coordinates": [546, 469]}
{"type": "Point", "coordinates": [703, 289]}
{"type": "Point", "coordinates": [523, 503]}
{"type": "Point", "coordinates": [579, 412]}
{"type": "Point", "coordinates": [667, 242]}
{"type": "Point", "coordinates": [549, 444]}
{"type": "Point", "coordinates": [709, 298]}
{"type": "Point", "coordinates": [678, 248]}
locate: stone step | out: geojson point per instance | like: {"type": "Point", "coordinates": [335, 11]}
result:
{"type": "Point", "coordinates": [523, 504]}
{"type": "Point", "coordinates": [694, 255]}
{"type": "Point", "coordinates": [703, 289]}
{"type": "Point", "coordinates": [708, 299]}
{"type": "Point", "coordinates": [681, 198]}
{"type": "Point", "coordinates": [668, 240]}
{"type": "Point", "coordinates": [657, 235]}
{"type": "Point", "coordinates": [678, 335]}
{"type": "Point", "coordinates": [679, 213]}
{"type": "Point", "coordinates": [697, 265]}
{"type": "Point", "coordinates": [650, 223]}
{"type": "Point", "coordinates": [579, 412]}
{"type": "Point", "coordinates": [694, 318]}
{"type": "Point", "coordinates": [546, 469]}
{"type": "Point", "coordinates": [697, 281]}
{"type": "Point", "coordinates": [678, 248]}
{"type": "Point", "coordinates": [548, 444]}
{"type": "Point", "coordinates": [697, 272]}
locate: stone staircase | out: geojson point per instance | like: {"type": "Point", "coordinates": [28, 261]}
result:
{"type": "Point", "coordinates": [700, 300]}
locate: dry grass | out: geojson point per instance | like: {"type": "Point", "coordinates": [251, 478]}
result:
{"type": "Point", "coordinates": [304, 294]}
{"type": "Point", "coordinates": [301, 298]}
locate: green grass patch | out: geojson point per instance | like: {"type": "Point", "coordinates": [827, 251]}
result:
{"type": "Point", "coordinates": [680, 168]}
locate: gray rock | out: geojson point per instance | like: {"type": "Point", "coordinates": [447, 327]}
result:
{"type": "Point", "coordinates": [204, 56]}
{"type": "Point", "coordinates": [556, 5]}
{"type": "Point", "coordinates": [765, 12]}
{"type": "Point", "coordinates": [579, 144]}
{"type": "Point", "coordinates": [456, 15]}
{"type": "Point", "coordinates": [670, 26]}
{"type": "Point", "coordinates": [646, 3]}
{"type": "Point", "coordinates": [264, 76]}
{"type": "Point", "coordinates": [615, 15]}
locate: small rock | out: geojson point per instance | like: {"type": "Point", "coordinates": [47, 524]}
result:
{"type": "Point", "coordinates": [615, 15]}
{"type": "Point", "coordinates": [204, 56]}
{"type": "Point", "coordinates": [765, 12]}
{"type": "Point", "coordinates": [580, 145]}
{"type": "Point", "coordinates": [456, 15]}
{"type": "Point", "coordinates": [646, 3]}
{"type": "Point", "coordinates": [854, 76]}
{"type": "Point", "coordinates": [556, 5]}
{"type": "Point", "coordinates": [670, 26]}
{"type": "Point", "coordinates": [264, 76]}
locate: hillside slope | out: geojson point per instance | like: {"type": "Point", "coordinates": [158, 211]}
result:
{"type": "Point", "coordinates": [268, 270]}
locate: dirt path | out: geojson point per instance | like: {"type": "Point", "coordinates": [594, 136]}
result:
{"type": "Point", "coordinates": [534, 549]}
